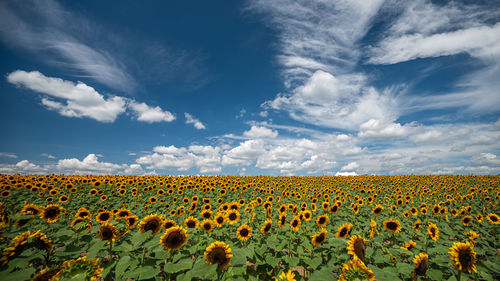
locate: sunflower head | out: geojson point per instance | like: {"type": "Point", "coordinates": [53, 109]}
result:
{"type": "Point", "coordinates": [355, 269]}
{"type": "Point", "coordinates": [232, 216]}
{"type": "Point", "coordinates": [52, 212]}
{"type": "Point", "coordinates": [244, 232]}
{"type": "Point", "coordinates": [344, 230]}
{"type": "Point", "coordinates": [377, 210]}
{"type": "Point", "coordinates": [421, 262]}
{"type": "Point", "coordinates": [493, 218]}
{"type": "Point", "coordinates": [266, 227]}
{"type": "Point", "coordinates": [409, 245]}
{"type": "Point", "coordinates": [433, 231]}
{"type": "Point", "coordinates": [16, 247]}
{"type": "Point", "coordinates": [356, 246]}
{"type": "Point", "coordinates": [81, 267]}
{"type": "Point", "coordinates": [174, 238]}
{"type": "Point", "coordinates": [322, 221]}
{"type": "Point", "coordinates": [463, 256]}
{"type": "Point", "coordinates": [416, 225]}
{"type": "Point", "coordinates": [107, 232]}
{"type": "Point", "coordinates": [191, 222]}
{"type": "Point", "coordinates": [392, 225]}
{"type": "Point", "coordinates": [466, 220]}
{"type": "Point", "coordinates": [47, 273]}
{"type": "Point", "coordinates": [207, 225]}
{"type": "Point", "coordinates": [41, 241]}
{"type": "Point", "coordinates": [168, 224]}
{"type": "Point", "coordinates": [319, 238]}
{"type": "Point", "coordinates": [31, 209]}
{"type": "Point", "coordinates": [219, 219]}
{"type": "Point", "coordinates": [295, 223]}
{"type": "Point", "coordinates": [289, 276]}
{"type": "Point", "coordinates": [104, 217]}
{"type": "Point", "coordinates": [151, 223]}
{"type": "Point", "coordinates": [218, 253]}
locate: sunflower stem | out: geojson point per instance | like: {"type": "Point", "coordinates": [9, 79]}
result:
{"type": "Point", "coordinates": [459, 275]}
{"type": "Point", "coordinates": [110, 248]}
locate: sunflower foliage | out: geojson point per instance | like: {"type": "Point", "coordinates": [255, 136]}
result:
{"type": "Point", "coordinates": [55, 227]}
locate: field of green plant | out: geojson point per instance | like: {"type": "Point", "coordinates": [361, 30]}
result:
{"type": "Point", "coordinates": [249, 228]}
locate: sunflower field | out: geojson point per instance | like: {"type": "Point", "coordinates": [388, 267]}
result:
{"type": "Point", "coordinates": [55, 227]}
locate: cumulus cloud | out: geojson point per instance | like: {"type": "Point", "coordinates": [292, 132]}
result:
{"type": "Point", "coordinates": [380, 129]}
{"type": "Point", "coordinates": [346, 174]}
{"type": "Point", "coordinates": [149, 114]}
{"type": "Point", "coordinates": [349, 167]}
{"type": "Point", "coordinates": [260, 132]}
{"type": "Point", "coordinates": [191, 120]}
{"type": "Point", "coordinates": [79, 100]}
{"type": "Point", "coordinates": [88, 165]}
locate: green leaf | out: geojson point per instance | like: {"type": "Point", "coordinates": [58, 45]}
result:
{"type": "Point", "coordinates": [272, 261]}
{"type": "Point", "coordinates": [95, 248]}
{"type": "Point", "coordinates": [239, 257]}
{"type": "Point", "coordinates": [323, 274]}
{"type": "Point", "coordinates": [123, 247]}
{"type": "Point", "coordinates": [201, 269]}
{"type": "Point", "coordinates": [315, 262]}
{"type": "Point", "coordinates": [404, 268]}
{"type": "Point", "coordinates": [122, 265]}
{"type": "Point", "coordinates": [24, 274]}
{"type": "Point", "coordinates": [107, 269]}
{"type": "Point", "coordinates": [435, 274]}
{"type": "Point", "coordinates": [139, 238]}
{"type": "Point", "coordinates": [384, 274]}
{"type": "Point", "coordinates": [179, 266]}
{"type": "Point", "coordinates": [141, 271]}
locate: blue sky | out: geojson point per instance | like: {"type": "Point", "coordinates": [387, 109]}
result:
{"type": "Point", "coordinates": [250, 87]}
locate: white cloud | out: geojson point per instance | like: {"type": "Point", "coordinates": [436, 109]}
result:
{"type": "Point", "coordinates": [336, 102]}
{"type": "Point", "coordinates": [346, 174]}
{"type": "Point", "coordinates": [191, 120]}
{"type": "Point", "coordinates": [260, 132]}
{"type": "Point", "coordinates": [89, 165]}
{"type": "Point", "coordinates": [80, 100]}
{"type": "Point", "coordinates": [48, 155]}
{"type": "Point", "coordinates": [146, 113]}
{"type": "Point", "coordinates": [481, 41]}
{"type": "Point", "coordinates": [46, 30]}
{"type": "Point", "coordinates": [8, 155]}
{"type": "Point", "coordinates": [349, 167]}
{"type": "Point", "coordinates": [380, 129]}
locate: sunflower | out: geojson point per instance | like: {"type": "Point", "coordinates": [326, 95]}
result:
{"type": "Point", "coordinates": [319, 238]}
{"type": "Point", "coordinates": [307, 215]}
{"type": "Point", "coordinates": [191, 222]}
{"type": "Point", "coordinates": [373, 228]}
{"type": "Point", "coordinates": [16, 247]}
{"type": "Point", "coordinates": [207, 225]}
{"type": "Point", "coordinates": [174, 238]}
{"type": "Point", "coordinates": [421, 262]}
{"type": "Point", "coordinates": [463, 257]}
{"type": "Point", "coordinates": [479, 218]}
{"type": "Point", "coordinates": [77, 221]}
{"type": "Point", "coordinates": [152, 222]}
{"type": "Point", "coordinates": [80, 268]}
{"type": "Point", "coordinates": [433, 231]}
{"type": "Point", "coordinates": [244, 232]}
{"type": "Point", "coordinates": [52, 212]}
{"type": "Point", "coordinates": [104, 217]}
{"type": "Point", "coordinates": [31, 209]}
{"type": "Point", "coordinates": [168, 224]}
{"type": "Point", "coordinates": [416, 225]}
{"type": "Point", "coordinates": [355, 269]}
{"type": "Point", "coordinates": [282, 220]}
{"type": "Point", "coordinates": [266, 227]}
{"type": "Point", "coordinates": [83, 213]}
{"type": "Point", "coordinates": [295, 223]}
{"type": "Point", "coordinates": [219, 219]}
{"type": "Point", "coordinates": [493, 218]}
{"type": "Point", "coordinates": [356, 246]}
{"type": "Point", "coordinates": [218, 253]}
{"type": "Point", "coordinates": [409, 245]}
{"type": "Point", "coordinates": [132, 221]}
{"type": "Point", "coordinates": [413, 211]}
{"type": "Point", "coordinates": [289, 276]}
{"type": "Point", "coordinates": [41, 241]}
{"type": "Point", "coordinates": [232, 216]}
{"type": "Point", "coordinates": [322, 220]}
{"type": "Point", "coordinates": [392, 225]}
{"type": "Point", "coordinates": [206, 214]}
{"type": "Point", "coordinates": [123, 213]}
{"type": "Point", "coordinates": [344, 230]}
{"type": "Point", "coordinates": [107, 232]}
{"type": "Point", "coordinates": [466, 220]}
{"type": "Point", "coordinates": [472, 236]}
{"type": "Point", "coordinates": [377, 210]}
{"type": "Point", "coordinates": [47, 273]}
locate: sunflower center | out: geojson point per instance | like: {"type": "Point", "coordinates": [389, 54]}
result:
{"type": "Point", "coordinates": [267, 227]}
{"type": "Point", "coordinates": [220, 220]}
{"type": "Point", "coordinates": [422, 267]}
{"type": "Point", "coordinates": [320, 238]}
{"type": "Point", "coordinates": [104, 217]}
{"type": "Point", "coordinates": [343, 232]}
{"type": "Point", "coordinates": [207, 226]}
{"type": "Point", "coordinates": [174, 239]}
{"type": "Point", "coordinates": [151, 225]}
{"type": "Point", "coordinates": [295, 223]}
{"type": "Point", "coordinates": [465, 258]}
{"type": "Point", "coordinates": [321, 220]}
{"type": "Point", "coordinates": [359, 249]}
{"type": "Point", "coordinates": [218, 256]}
{"type": "Point", "coordinates": [51, 213]}
{"type": "Point", "coordinates": [107, 234]}
{"type": "Point", "coordinates": [191, 224]}
{"type": "Point", "coordinates": [494, 218]}
{"type": "Point", "coordinates": [232, 216]}
{"type": "Point", "coordinates": [433, 231]}
{"type": "Point", "coordinates": [392, 225]}
{"type": "Point", "coordinates": [168, 225]}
